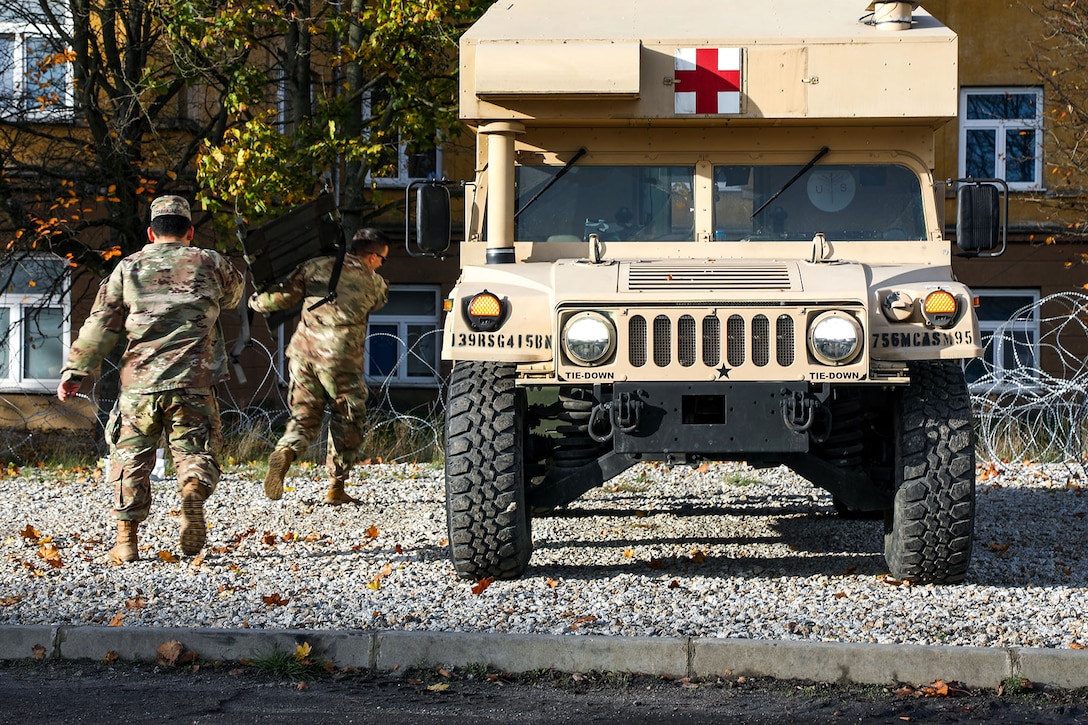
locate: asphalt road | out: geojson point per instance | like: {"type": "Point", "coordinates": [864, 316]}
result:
{"type": "Point", "coordinates": [38, 693]}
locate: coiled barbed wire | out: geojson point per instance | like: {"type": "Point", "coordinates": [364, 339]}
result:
{"type": "Point", "coordinates": [1033, 406]}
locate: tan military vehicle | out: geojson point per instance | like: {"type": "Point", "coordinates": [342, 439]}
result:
{"type": "Point", "coordinates": [709, 230]}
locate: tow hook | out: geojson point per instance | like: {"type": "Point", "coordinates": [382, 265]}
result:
{"type": "Point", "coordinates": [799, 410]}
{"type": "Point", "coordinates": [626, 412]}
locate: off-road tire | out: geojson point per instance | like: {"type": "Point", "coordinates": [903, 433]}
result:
{"type": "Point", "coordinates": [486, 511]}
{"type": "Point", "coordinates": [928, 532]}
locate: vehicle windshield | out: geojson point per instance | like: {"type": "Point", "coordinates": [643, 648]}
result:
{"type": "Point", "coordinates": [618, 203]}
{"type": "Point", "coordinates": [656, 203]}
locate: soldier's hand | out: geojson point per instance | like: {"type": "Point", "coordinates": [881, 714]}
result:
{"type": "Point", "coordinates": [68, 389]}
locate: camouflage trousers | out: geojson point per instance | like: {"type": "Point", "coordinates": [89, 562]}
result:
{"type": "Point", "coordinates": [190, 420]}
{"type": "Point", "coordinates": [313, 387]}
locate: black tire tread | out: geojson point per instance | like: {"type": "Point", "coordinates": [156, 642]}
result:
{"type": "Point", "coordinates": [928, 536]}
{"type": "Point", "coordinates": [486, 512]}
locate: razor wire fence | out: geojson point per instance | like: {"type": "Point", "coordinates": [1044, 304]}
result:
{"type": "Point", "coordinates": [1029, 394]}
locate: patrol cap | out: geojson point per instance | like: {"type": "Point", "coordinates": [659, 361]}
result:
{"type": "Point", "coordinates": [170, 205]}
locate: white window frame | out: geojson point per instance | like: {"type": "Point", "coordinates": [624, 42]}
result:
{"type": "Point", "coordinates": [402, 179]}
{"type": "Point", "coordinates": [19, 32]}
{"type": "Point", "coordinates": [400, 378]}
{"type": "Point", "coordinates": [19, 305]}
{"type": "Point", "coordinates": [1029, 325]}
{"type": "Point", "coordinates": [1000, 127]}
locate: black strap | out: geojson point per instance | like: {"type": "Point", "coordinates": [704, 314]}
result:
{"type": "Point", "coordinates": [334, 278]}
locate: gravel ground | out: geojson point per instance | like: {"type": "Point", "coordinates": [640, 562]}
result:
{"type": "Point", "coordinates": [720, 551]}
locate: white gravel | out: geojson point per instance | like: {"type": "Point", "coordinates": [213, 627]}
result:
{"type": "Point", "coordinates": [723, 552]}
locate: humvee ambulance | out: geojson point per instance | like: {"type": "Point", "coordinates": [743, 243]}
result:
{"type": "Point", "coordinates": [709, 230]}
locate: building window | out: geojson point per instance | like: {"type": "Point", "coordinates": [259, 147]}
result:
{"type": "Point", "coordinates": [1008, 320]}
{"type": "Point", "coordinates": [1001, 135]}
{"type": "Point", "coordinates": [404, 338]}
{"type": "Point", "coordinates": [400, 162]}
{"type": "Point", "coordinates": [34, 320]}
{"type": "Point", "coordinates": [35, 72]}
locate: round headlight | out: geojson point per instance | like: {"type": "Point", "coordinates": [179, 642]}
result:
{"type": "Point", "coordinates": [835, 338]}
{"type": "Point", "coordinates": [588, 338]}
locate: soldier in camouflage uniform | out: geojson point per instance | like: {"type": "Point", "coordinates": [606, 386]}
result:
{"type": "Point", "coordinates": [165, 301]}
{"type": "Point", "coordinates": [326, 358]}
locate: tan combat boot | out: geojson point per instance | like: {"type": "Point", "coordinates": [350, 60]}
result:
{"type": "Point", "coordinates": [125, 548]}
{"type": "Point", "coordinates": [278, 463]}
{"type": "Point", "coordinates": [193, 529]}
{"type": "Point", "coordinates": [337, 495]}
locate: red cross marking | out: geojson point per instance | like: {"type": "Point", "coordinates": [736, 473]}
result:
{"type": "Point", "coordinates": [706, 80]}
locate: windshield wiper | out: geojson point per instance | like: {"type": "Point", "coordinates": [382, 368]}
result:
{"type": "Point", "coordinates": [551, 181]}
{"type": "Point", "coordinates": [819, 155]}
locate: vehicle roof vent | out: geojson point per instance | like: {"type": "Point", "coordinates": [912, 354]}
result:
{"type": "Point", "coordinates": [890, 14]}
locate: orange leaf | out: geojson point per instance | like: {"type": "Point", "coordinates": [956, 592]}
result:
{"type": "Point", "coordinates": [51, 554]}
{"type": "Point", "coordinates": [136, 602]}
{"type": "Point", "coordinates": [116, 621]}
{"type": "Point", "coordinates": [168, 557]}
{"type": "Point", "coordinates": [484, 583]}
{"type": "Point", "coordinates": [111, 657]}
{"type": "Point", "coordinates": [275, 600]}
{"type": "Point", "coordinates": [372, 532]}
{"type": "Point", "coordinates": [29, 532]}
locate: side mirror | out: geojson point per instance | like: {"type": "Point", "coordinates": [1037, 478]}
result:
{"type": "Point", "coordinates": [432, 219]}
{"type": "Point", "coordinates": [980, 226]}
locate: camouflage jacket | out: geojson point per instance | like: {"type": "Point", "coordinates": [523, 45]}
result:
{"type": "Point", "coordinates": [335, 331]}
{"type": "Point", "coordinates": [165, 299]}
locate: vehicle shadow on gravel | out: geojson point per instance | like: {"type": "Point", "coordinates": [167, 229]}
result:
{"type": "Point", "coordinates": [1023, 537]}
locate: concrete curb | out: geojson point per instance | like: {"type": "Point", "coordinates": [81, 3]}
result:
{"type": "Point", "coordinates": [973, 667]}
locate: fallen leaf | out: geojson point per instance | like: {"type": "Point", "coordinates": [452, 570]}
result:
{"type": "Point", "coordinates": [39, 652]}
{"type": "Point", "coordinates": [174, 653]}
{"type": "Point", "coordinates": [275, 600]}
{"type": "Point", "coordinates": [551, 583]}
{"type": "Point", "coordinates": [168, 557]}
{"type": "Point", "coordinates": [439, 687]}
{"type": "Point", "coordinates": [372, 532]}
{"type": "Point", "coordinates": [30, 532]}
{"type": "Point", "coordinates": [302, 686]}
{"type": "Point", "coordinates": [655, 563]}
{"type": "Point", "coordinates": [484, 583]}
{"type": "Point", "coordinates": [116, 621]}
{"type": "Point", "coordinates": [698, 556]}
{"type": "Point", "coordinates": [111, 657]}
{"type": "Point", "coordinates": [51, 554]}
{"type": "Point", "coordinates": [137, 602]}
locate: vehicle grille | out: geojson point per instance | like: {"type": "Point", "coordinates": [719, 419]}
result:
{"type": "Point", "coordinates": [676, 278]}
{"type": "Point", "coordinates": [751, 338]}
